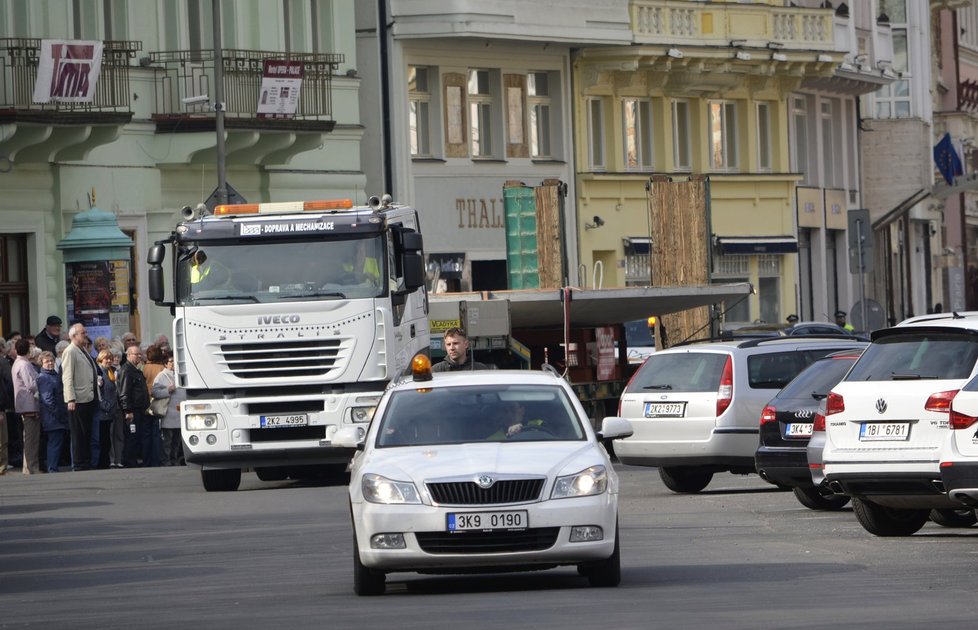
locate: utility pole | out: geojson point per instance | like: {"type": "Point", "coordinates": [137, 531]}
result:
{"type": "Point", "coordinates": [222, 184]}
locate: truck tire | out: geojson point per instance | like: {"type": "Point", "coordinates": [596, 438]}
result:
{"type": "Point", "coordinates": [685, 480]}
{"type": "Point", "coordinates": [884, 521]}
{"type": "Point", "coordinates": [272, 473]}
{"type": "Point", "coordinates": [816, 499]}
{"type": "Point", "coordinates": [221, 479]}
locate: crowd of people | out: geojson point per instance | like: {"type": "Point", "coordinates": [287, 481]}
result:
{"type": "Point", "coordinates": [68, 402]}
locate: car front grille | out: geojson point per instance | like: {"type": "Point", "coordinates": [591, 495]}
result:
{"type": "Point", "coordinates": [470, 493]}
{"type": "Point", "coordinates": [535, 539]}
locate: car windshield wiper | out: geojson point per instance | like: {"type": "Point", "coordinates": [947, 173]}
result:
{"type": "Point", "coordinates": [658, 387]}
{"type": "Point", "coordinates": [896, 376]}
{"type": "Point", "coordinates": [238, 296]}
{"type": "Point", "coordinates": [313, 294]}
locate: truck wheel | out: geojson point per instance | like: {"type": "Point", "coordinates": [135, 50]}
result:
{"type": "Point", "coordinates": [366, 581]}
{"type": "Point", "coordinates": [885, 521]}
{"type": "Point", "coordinates": [816, 499]}
{"type": "Point", "coordinates": [685, 480]}
{"type": "Point", "coordinates": [272, 473]}
{"type": "Point", "coordinates": [954, 518]}
{"type": "Point", "coordinates": [221, 479]}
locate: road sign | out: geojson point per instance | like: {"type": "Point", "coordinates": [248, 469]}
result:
{"type": "Point", "coordinates": [233, 197]}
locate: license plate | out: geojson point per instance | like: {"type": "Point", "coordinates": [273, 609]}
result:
{"type": "Point", "coordinates": [292, 420]}
{"type": "Point", "coordinates": [798, 429]}
{"type": "Point", "coordinates": [884, 431]}
{"type": "Point", "coordinates": [487, 521]}
{"type": "Point", "coordinates": [665, 409]}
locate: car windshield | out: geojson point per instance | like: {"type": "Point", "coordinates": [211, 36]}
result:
{"type": "Point", "coordinates": [680, 372]}
{"type": "Point", "coordinates": [455, 415]}
{"type": "Point", "coordinates": [275, 272]}
{"type": "Point", "coordinates": [774, 370]}
{"type": "Point", "coordinates": [917, 355]}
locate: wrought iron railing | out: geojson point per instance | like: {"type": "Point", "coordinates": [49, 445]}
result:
{"type": "Point", "coordinates": [190, 73]}
{"type": "Point", "coordinates": [19, 58]}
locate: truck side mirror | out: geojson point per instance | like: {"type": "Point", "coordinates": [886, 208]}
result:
{"type": "Point", "coordinates": [414, 275]}
{"type": "Point", "coordinates": [155, 259]}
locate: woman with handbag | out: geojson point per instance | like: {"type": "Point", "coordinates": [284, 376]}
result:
{"type": "Point", "coordinates": [168, 396]}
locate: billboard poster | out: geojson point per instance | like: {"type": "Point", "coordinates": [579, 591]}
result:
{"type": "Point", "coordinates": [280, 84]}
{"type": "Point", "coordinates": [89, 295]}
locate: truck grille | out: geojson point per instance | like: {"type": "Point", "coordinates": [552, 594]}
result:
{"type": "Point", "coordinates": [534, 539]}
{"type": "Point", "coordinates": [264, 359]}
{"type": "Point", "coordinates": [469, 492]}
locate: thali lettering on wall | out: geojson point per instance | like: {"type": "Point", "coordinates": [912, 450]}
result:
{"type": "Point", "coordinates": [464, 213]}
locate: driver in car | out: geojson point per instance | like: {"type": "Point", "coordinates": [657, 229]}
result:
{"type": "Point", "coordinates": [511, 421]}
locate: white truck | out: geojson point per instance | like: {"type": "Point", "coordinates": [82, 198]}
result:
{"type": "Point", "coordinates": [290, 319]}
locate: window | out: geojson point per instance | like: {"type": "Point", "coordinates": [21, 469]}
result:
{"type": "Point", "coordinates": [723, 136]}
{"type": "Point", "coordinates": [595, 130]}
{"type": "Point", "coordinates": [539, 103]}
{"type": "Point", "coordinates": [830, 157]}
{"type": "Point", "coordinates": [637, 122]}
{"type": "Point", "coordinates": [680, 136]}
{"type": "Point", "coordinates": [893, 100]}
{"type": "Point", "coordinates": [480, 113]}
{"type": "Point", "coordinates": [200, 24]}
{"type": "Point", "coordinates": [419, 110]}
{"type": "Point", "coordinates": [763, 137]}
{"type": "Point", "coordinates": [799, 115]}
{"type": "Point", "coordinates": [295, 21]}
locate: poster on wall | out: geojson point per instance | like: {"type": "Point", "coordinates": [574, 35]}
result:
{"type": "Point", "coordinates": [93, 299]}
{"type": "Point", "coordinates": [280, 84]}
{"type": "Point", "coordinates": [67, 71]}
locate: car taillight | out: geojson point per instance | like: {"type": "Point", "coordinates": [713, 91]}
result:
{"type": "Point", "coordinates": [940, 401]}
{"type": "Point", "coordinates": [960, 420]}
{"type": "Point", "coordinates": [834, 404]}
{"type": "Point", "coordinates": [769, 414]}
{"type": "Point", "coordinates": [725, 391]}
{"type": "Point", "coordinates": [819, 422]}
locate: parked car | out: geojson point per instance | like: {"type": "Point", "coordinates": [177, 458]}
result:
{"type": "Point", "coordinates": [694, 408]}
{"type": "Point", "coordinates": [886, 421]}
{"type": "Point", "coordinates": [822, 329]}
{"type": "Point", "coordinates": [786, 426]}
{"type": "Point", "coordinates": [471, 471]}
{"type": "Point", "coordinates": [959, 453]}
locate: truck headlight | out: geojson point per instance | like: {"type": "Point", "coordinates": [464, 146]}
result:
{"type": "Point", "coordinates": [203, 421]}
{"type": "Point", "coordinates": [362, 414]}
{"type": "Point", "coordinates": [377, 489]}
{"type": "Point", "coordinates": [590, 481]}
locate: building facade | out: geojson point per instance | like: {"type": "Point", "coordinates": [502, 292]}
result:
{"type": "Point", "coordinates": [146, 145]}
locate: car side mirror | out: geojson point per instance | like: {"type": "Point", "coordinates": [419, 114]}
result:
{"type": "Point", "coordinates": [350, 437]}
{"type": "Point", "coordinates": [614, 427]}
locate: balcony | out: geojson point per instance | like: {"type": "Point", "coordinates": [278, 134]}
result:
{"type": "Point", "coordinates": [184, 97]}
{"type": "Point", "coordinates": [54, 131]}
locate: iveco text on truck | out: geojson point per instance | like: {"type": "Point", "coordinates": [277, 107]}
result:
{"type": "Point", "coordinates": [290, 319]}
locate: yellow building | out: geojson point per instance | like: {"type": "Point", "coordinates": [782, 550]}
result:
{"type": "Point", "coordinates": [703, 90]}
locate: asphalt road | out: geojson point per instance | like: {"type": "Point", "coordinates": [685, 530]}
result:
{"type": "Point", "coordinates": [151, 549]}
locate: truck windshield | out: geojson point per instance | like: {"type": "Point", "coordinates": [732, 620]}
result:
{"type": "Point", "coordinates": [237, 273]}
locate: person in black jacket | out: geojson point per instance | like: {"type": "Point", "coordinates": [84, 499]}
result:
{"type": "Point", "coordinates": [457, 354]}
{"type": "Point", "coordinates": [133, 400]}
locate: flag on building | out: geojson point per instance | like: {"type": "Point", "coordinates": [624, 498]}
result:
{"type": "Point", "coordinates": [947, 159]}
{"type": "Point", "coordinates": [67, 71]}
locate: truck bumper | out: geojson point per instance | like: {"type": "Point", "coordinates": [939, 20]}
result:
{"type": "Point", "coordinates": [248, 458]}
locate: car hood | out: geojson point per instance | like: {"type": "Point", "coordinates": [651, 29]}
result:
{"type": "Point", "coordinates": [442, 461]}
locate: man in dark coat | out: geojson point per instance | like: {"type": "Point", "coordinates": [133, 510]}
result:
{"type": "Point", "coordinates": [134, 400]}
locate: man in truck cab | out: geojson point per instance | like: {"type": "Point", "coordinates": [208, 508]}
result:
{"type": "Point", "coordinates": [363, 268]}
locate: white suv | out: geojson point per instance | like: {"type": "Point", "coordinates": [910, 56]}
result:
{"type": "Point", "coordinates": [886, 421]}
{"type": "Point", "coordinates": [695, 409]}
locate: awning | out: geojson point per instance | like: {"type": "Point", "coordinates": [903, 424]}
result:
{"type": "Point", "coordinates": [638, 244]}
{"type": "Point", "coordinates": [757, 244]}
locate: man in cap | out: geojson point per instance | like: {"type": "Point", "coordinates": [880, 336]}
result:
{"type": "Point", "coordinates": [792, 319]}
{"type": "Point", "coordinates": [840, 320]}
{"type": "Point", "coordinates": [50, 336]}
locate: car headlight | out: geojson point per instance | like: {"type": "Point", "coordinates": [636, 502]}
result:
{"type": "Point", "coordinates": [593, 480]}
{"type": "Point", "coordinates": [203, 421]}
{"type": "Point", "coordinates": [377, 489]}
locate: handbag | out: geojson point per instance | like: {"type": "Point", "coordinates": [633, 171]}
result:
{"type": "Point", "coordinates": [158, 406]}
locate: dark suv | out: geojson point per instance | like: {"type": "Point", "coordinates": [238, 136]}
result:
{"type": "Point", "coordinates": [786, 426]}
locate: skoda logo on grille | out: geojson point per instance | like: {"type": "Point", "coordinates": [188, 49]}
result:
{"type": "Point", "coordinates": [881, 405]}
{"type": "Point", "coordinates": [485, 481]}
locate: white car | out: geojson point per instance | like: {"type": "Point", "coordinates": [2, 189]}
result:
{"type": "Point", "coordinates": [959, 455]}
{"type": "Point", "coordinates": [886, 421]}
{"type": "Point", "coordinates": [486, 470]}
